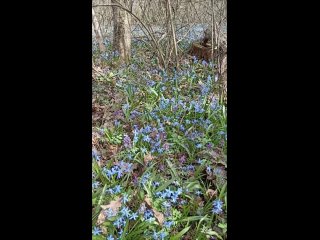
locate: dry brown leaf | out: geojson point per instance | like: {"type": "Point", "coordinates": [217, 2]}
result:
{"type": "Point", "coordinates": [200, 201]}
{"type": "Point", "coordinates": [101, 218]}
{"type": "Point", "coordinates": [159, 216]}
{"type": "Point", "coordinates": [104, 230]}
{"type": "Point", "coordinates": [147, 158]}
{"type": "Point", "coordinates": [211, 192]}
{"type": "Point", "coordinates": [114, 205]}
{"type": "Point", "coordinates": [113, 150]}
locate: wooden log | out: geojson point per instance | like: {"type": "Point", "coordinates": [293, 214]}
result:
{"type": "Point", "coordinates": [201, 52]}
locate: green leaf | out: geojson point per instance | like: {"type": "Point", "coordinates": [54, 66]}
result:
{"type": "Point", "coordinates": [193, 218]}
{"type": "Point", "coordinates": [172, 168]}
{"type": "Point", "coordinates": [165, 185]}
{"type": "Point", "coordinates": [222, 225]}
{"type": "Point", "coordinates": [180, 234]}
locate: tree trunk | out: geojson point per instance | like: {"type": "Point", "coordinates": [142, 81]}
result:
{"type": "Point", "coordinates": [97, 32]}
{"type": "Point", "coordinates": [121, 32]}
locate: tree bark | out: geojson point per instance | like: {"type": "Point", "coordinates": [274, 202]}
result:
{"type": "Point", "coordinates": [121, 32]}
{"type": "Point", "coordinates": [97, 32]}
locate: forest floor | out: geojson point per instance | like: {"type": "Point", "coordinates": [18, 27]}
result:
{"type": "Point", "coordinates": [159, 144]}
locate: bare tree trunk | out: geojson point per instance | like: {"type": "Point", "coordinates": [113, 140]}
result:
{"type": "Point", "coordinates": [121, 32]}
{"type": "Point", "coordinates": [173, 34]}
{"type": "Point", "coordinates": [97, 32]}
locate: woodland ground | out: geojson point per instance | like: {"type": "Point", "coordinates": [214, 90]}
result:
{"type": "Point", "coordinates": [159, 143]}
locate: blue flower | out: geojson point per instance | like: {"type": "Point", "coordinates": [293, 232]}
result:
{"type": "Point", "coordinates": [209, 170]}
{"type": "Point", "coordinates": [110, 237]}
{"type": "Point", "coordinates": [96, 231]}
{"type": "Point", "coordinates": [133, 216]}
{"type": "Point", "coordinates": [95, 184]}
{"type": "Point", "coordinates": [147, 129]}
{"type": "Point", "coordinates": [125, 198]}
{"type": "Point", "coordinates": [217, 206]}
{"type": "Point", "coordinates": [204, 63]}
{"type": "Point", "coordinates": [119, 222]}
{"type": "Point", "coordinates": [168, 224]}
{"type": "Point", "coordinates": [179, 191]}
{"type": "Point", "coordinates": [117, 189]}
{"type": "Point", "coordinates": [160, 150]}
{"type": "Point", "coordinates": [110, 191]}
{"type": "Point", "coordinates": [143, 150]}
{"type": "Point", "coordinates": [127, 141]}
{"type": "Point", "coordinates": [146, 138]}
{"type": "Point", "coordinates": [156, 184]}
{"type": "Point", "coordinates": [199, 145]}
{"type": "Point", "coordinates": [151, 83]}
{"type": "Point", "coordinates": [126, 106]}
{"type": "Point", "coordinates": [174, 198]}
{"type": "Point", "coordinates": [95, 155]}
{"type": "Point", "coordinates": [166, 204]}
{"type": "Point", "coordinates": [145, 178]}
{"type": "Point", "coordinates": [199, 161]}
{"type": "Point", "coordinates": [198, 193]}
{"type": "Point", "coordinates": [110, 213]}
{"type": "Point", "coordinates": [198, 108]}
{"type": "Point", "coordinates": [117, 123]}
{"type": "Point", "coordinates": [125, 212]}
{"type": "Point", "coordinates": [175, 124]}
{"type": "Point", "coordinates": [162, 235]}
{"type": "Point", "coordinates": [148, 214]}
{"type": "Point", "coordinates": [119, 173]}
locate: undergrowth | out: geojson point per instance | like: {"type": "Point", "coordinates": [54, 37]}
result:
{"type": "Point", "coordinates": [159, 165]}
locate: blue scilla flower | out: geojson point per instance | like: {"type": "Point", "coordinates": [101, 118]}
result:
{"type": "Point", "coordinates": [148, 214]}
{"type": "Point", "coordinates": [162, 235]}
{"type": "Point", "coordinates": [125, 198]}
{"type": "Point", "coordinates": [96, 231]}
{"type": "Point", "coordinates": [145, 178]}
{"type": "Point", "coordinates": [95, 184]}
{"type": "Point", "coordinates": [143, 150]}
{"type": "Point", "coordinates": [147, 129]}
{"type": "Point", "coordinates": [217, 206]}
{"type": "Point", "coordinates": [126, 106]}
{"type": "Point", "coordinates": [175, 124]}
{"type": "Point", "coordinates": [199, 145]}
{"type": "Point", "coordinates": [168, 224]}
{"type": "Point", "coordinates": [146, 138]}
{"type": "Point", "coordinates": [204, 90]}
{"type": "Point", "coordinates": [95, 155]}
{"type": "Point", "coordinates": [198, 193]}
{"type": "Point", "coordinates": [117, 123]}
{"type": "Point", "coordinates": [166, 204]}
{"type": "Point", "coordinates": [133, 216]}
{"type": "Point", "coordinates": [117, 189]}
{"type": "Point", "coordinates": [127, 141]}
{"type": "Point", "coordinates": [198, 108]}
{"type": "Point", "coordinates": [151, 83]}
{"type": "Point", "coordinates": [110, 237]}
{"type": "Point", "coordinates": [110, 213]}
{"type": "Point", "coordinates": [119, 222]}
{"type": "Point", "coordinates": [125, 212]}
{"type": "Point", "coordinates": [156, 184]}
